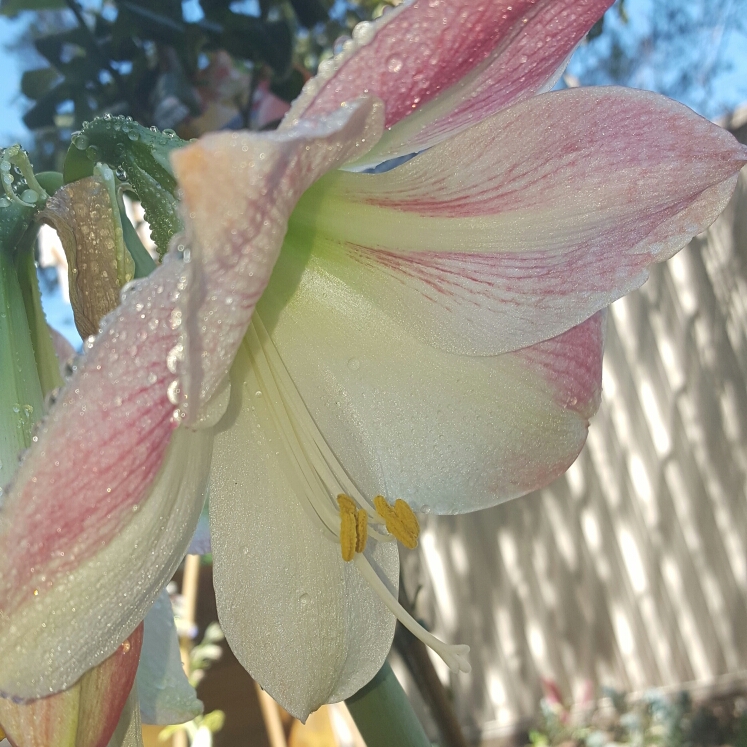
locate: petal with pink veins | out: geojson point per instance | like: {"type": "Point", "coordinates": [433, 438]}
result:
{"type": "Point", "coordinates": [441, 67]}
{"type": "Point", "coordinates": [526, 234]}
{"type": "Point", "coordinates": [102, 509]}
{"type": "Point", "coordinates": [446, 432]}
{"type": "Point", "coordinates": [237, 225]}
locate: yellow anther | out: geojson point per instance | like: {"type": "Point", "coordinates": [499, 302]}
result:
{"type": "Point", "coordinates": [400, 521]}
{"type": "Point", "coordinates": [346, 503]}
{"type": "Point", "coordinates": [353, 527]}
{"type": "Point", "coordinates": [348, 527]}
{"type": "Point", "coordinates": [361, 530]}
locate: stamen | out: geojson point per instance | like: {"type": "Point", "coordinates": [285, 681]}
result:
{"type": "Point", "coordinates": [455, 656]}
{"type": "Point", "coordinates": [330, 474]}
{"type": "Point", "coordinates": [361, 531]}
{"type": "Point", "coordinates": [353, 527]}
{"type": "Point", "coordinates": [400, 521]}
{"type": "Point", "coordinates": [318, 477]}
{"type": "Point", "coordinates": [348, 526]}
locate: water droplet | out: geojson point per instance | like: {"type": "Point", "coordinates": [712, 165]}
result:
{"type": "Point", "coordinates": [4, 202]}
{"type": "Point", "coordinates": [173, 392]}
{"type": "Point", "coordinates": [326, 67]}
{"type": "Point", "coordinates": [80, 141]}
{"type": "Point", "coordinates": [175, 320]}
{"type": "Point", "coordinates": [29, 196]}
{"type": "Point", "coordinates": [304, 599]}
{"type": "Point", "coordinates": [169, 132]}
{"type": "Point", "coordinates": [364, 32]}
{"type": "Point", "coordinates": [258, 393]}
{"type": "Point", "coordinates": [175, 356]}
{"type": "Point", "coordinates": [339, 44]}
{"type": "Point", "coordinates": [133, 135]}
{"type": "Point", "coordinates": [92, 153]}
{"type": "Point", "coordinates": [354, 364]}
{"type": "Point", "coordinates": [394, 64]}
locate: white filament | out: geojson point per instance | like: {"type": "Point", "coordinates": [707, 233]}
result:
{"type": "Point", "coordinates": [454, 655]}
{"type": "Point", "coordinates": [318, 477]}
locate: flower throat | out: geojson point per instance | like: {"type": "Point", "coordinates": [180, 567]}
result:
{"type": "Point", "coordinates": [328, 494]}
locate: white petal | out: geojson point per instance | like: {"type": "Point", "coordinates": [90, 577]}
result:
{"type": "Point", "coordinates": [303, 622]}
{"type": "Point", "coordinates": [166, 697]}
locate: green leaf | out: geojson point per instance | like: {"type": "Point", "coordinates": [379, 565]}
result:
{"type": "Point", "coordinates": [141, 157]}
{"type": "Point", "coordinates": [13, 7]}
{"type": "Point", "coordinates": [48, 367]}
{"type": "Point", "coordinates": [43, 112]}
{"type": "Point", "coordinates": [289, 88]}
{"type": "Point", "coordinates": [144, 263]}
{"type": "Point", "coordinates": [51, 181]}
{"type": "Point", "coordinates": [35, 83]}
{"type": "Point", "coordinates": [21, 398]}
{"type": "Point", "coordinates": [253, 39]}
{"type": "Point", "coordinates": [596, 30]}
{"type": "Point", "coordinates": [52, 45]}
{"type": "Point", "coordinates": [309, 12]}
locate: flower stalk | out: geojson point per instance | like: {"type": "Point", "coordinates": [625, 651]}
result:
{"type": "Point", "coordinates": [383, 713]}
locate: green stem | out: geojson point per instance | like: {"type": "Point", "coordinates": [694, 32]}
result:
{"type": "Point", "coordinates": [383, 713]}
{"type": "Point", "coordinates": [48, 367]}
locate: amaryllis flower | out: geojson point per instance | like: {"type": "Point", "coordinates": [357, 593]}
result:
{"type": "Point", "coordinates": [351, 346]}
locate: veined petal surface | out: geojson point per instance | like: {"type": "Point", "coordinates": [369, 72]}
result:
{"type": "Point", "coordinates": [303, 622]}
{"type": "Point", "coordinates": [525, 235]}
{"type": "Point", "coordinates": [238, 191]}
{"type": "Point", "coordinates": [103, 507]}
{"type": "Point", "coordinates": [441, 66]}
{"type": "Point", "coordinates": [99, 514]}
{"type": "Point", "coordinates": [448, 433]}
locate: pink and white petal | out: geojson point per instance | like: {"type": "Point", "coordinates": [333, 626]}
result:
{"type": "Point", "coordinates": [84, 716]}
{"type": "Point", "coordinates": [303, 622]}
{"type": "Point", "coordinates": [525, 234]}
{"type": "Point", "coordinates": [238, 191]}
{"type": "Point", "coordinates": [103, 507]}
{"type": "Point", "coordinates": [47, 641]}
{"type": "Point", "coordinates": [103, 692]}
{"type": "Point", "coordinates": [448, 433]}
{"type": "Point", "coordinates": [441, 67]}
{"type": "Point", "coordinates": [164, 693]}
